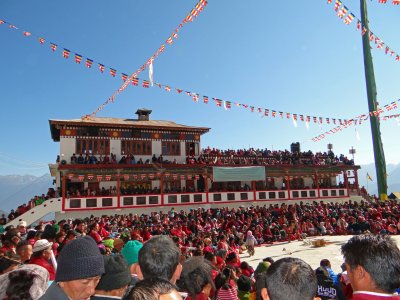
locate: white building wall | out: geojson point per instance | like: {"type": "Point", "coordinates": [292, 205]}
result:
{"type": "Point", "coordinates": [156, 148]}
{"type": "Point", "coordinates": [67, 148]}
{"type": "Point", "coordinates": [115, 147]}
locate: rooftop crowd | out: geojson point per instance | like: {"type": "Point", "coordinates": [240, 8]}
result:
{"type": "Point", "coordinates": [196, 254]}
{"type": "Point", "coordinates": [214, 156]}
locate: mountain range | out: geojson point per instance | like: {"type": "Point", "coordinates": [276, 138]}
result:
{"type": "Point", "coordinates": [19, 189]}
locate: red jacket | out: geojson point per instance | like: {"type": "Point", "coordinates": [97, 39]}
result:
{"type": "Point", "coordinates": [373, 296]}
{"type": "Point", "coordinates": [45, 264]}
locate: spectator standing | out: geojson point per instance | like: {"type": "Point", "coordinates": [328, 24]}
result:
{"type": "Point", "coordinates": [373, 266]}
{"type": "Point", "coordinates": [41, 256]}
{"type": "Point", "coordinates": [159, 257]}
{"type": "Point", "coordinates": [80, 266]}
{"type": "Point", "coordinates": [290, 278]}
{"type": "Point", "coordinates": [115, 280]}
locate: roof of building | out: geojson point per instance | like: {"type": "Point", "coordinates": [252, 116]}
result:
{"type": "Point", "coordinates": [122, 123]}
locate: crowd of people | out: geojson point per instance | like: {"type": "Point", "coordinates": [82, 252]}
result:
{"type": "Point", "coordinates": [214, 156]}
{"type": "Point", "coordinates": [271, 157]}
{"type": "Point", "coordinates": [195, 253]}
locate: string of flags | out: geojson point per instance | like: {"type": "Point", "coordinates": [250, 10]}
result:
{"type": "Point", "coordinates": [348, 17]}
{"type": "Point", "coordinates": [136, 177]}
{"type": "Point", "coordinates": [360, 119]}
{"type": "Point", "coordinates": [67, 53]}
{"type": "Point", "coordinates": [394, 2]}
{"type": "Point", "coordinates": [149, 63]}
{"type": "Point", "coordinates": [196, 97]}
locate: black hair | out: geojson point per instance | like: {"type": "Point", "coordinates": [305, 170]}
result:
{"type": "Point", "coordinates": [150, 289]}
{"type": "Point", "coordinates": [223, 278]}
{"type": "Point", "coordinates": [159, 257]}
{"type": "Point", "coordinates": [378, 255]}
{"type": "Point", "coordinates": [244, 283]}
{"type": "Point", "coordinates": [244, 265]}
{"type": "Point", "coordinates": [209, 256]}
{"type": "Point", "coordinates": [19, 285]}
{"type": "Point", "coordinates": [31, 234]}
{"type": "Point", "coordinates": [8, 260]}
{"type": "Point", "coordinates": [49, 232]}
{"type": "Point", "coordinates": [291, 278]}
{"type": "Point", "coordinates": [324, 263]}
{"type": "Point", "coordinates": [22, 244]}
{"type": "Point", "coordinates": [231, 256]}
{"type": "Point", "coordinates": [196, 274]}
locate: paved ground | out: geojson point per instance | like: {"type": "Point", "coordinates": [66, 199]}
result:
{"type": "Point", "coordinates": [305, 251]}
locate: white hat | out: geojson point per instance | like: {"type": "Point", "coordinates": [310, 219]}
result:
{"type": "Point", "coordinates": [22, 223]}
{"type": "Point", "coordinates": [41, 245]}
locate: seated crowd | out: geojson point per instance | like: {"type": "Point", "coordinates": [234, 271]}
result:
{"type": "Point", "coordinates": [34, 201]}
{"type": "Point", "coordinates": [215, 156]}
{"type": "Point", "coordinates": [195, 255]}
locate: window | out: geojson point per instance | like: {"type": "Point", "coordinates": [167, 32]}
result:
{"type": "Point", "coordinates": [198, 198]}
{"type": "Point", "coordinates": [141, 200]}
{"type": "Point", "coordinates": [171, 148]}
{"type": "Point", "coordinates": [93, 146]}
{"type": "Point", "coordinates": [153, 200]}
{"type": "Point", "coordinates": [107, 202]}
{"type": "Point", "coordinates": [75, 203]}
{"type": "Point", "coordinates": [217, 197]}
{"type": "Point", "coordinates": [172, 199]}
{"type": "Point", "coordinates": [192, 149]}
{"type": "Point", "coordinates": [136, 147]}
{"type": "Point", "coordinates": [244, 196]}
{"type": "Point", "coordinates": [91, 202]}
{"type": "Point", "coordinates": [128, 200]}
{"type": "Point", "coordinates": [185, 199]}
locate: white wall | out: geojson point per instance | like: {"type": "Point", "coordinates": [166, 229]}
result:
{"type": "Point", "coordinates": [67, 147]}
{"type": "Point", "coordinates": [115, 147]}
{"type": "Point", "coordinates": [156, 148]}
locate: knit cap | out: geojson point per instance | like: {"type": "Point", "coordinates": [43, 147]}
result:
{"type": "Point", "coordinates": [109, 243]}
{"type": "Point", "coordinates": [79, 259]}
{"type": "Point", "coordinates": [262, 267]}
{"type": "Point", "coordinates": [131, 251]}
{"type": "Point", "coordinates": [117, 273]}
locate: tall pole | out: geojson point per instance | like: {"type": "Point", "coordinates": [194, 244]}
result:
{"type": "Point", "coordinates": [380, 163]}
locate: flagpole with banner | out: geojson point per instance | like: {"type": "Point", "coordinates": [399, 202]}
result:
{"type": "Point", "coordinates": [379, 154]}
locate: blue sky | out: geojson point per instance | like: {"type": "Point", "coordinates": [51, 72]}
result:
{"type": "Point", "coordinates": [290, 56]}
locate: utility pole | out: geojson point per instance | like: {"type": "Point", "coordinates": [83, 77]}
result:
{"type": "Point", "coordinates": [380, 163]}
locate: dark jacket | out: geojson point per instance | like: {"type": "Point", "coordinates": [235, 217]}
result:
{"type": "Point", "coordinates": [54, 292]}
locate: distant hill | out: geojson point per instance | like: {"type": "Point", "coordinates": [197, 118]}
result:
{"type": "Point", "coordinates": [393, 178]}
{"type": "Point", "coordinates": [17, 189]}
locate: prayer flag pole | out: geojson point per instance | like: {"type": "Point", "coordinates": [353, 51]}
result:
{"type": "Point", "coordinates": [380, 163]}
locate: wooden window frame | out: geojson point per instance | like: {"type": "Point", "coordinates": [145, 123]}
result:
{"type": "Point", "coordinates": [134, 147]}
{"type": "Point", "coordinates": [92, 146]}
{"type": "Point", "coordinates": [168, 146]}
